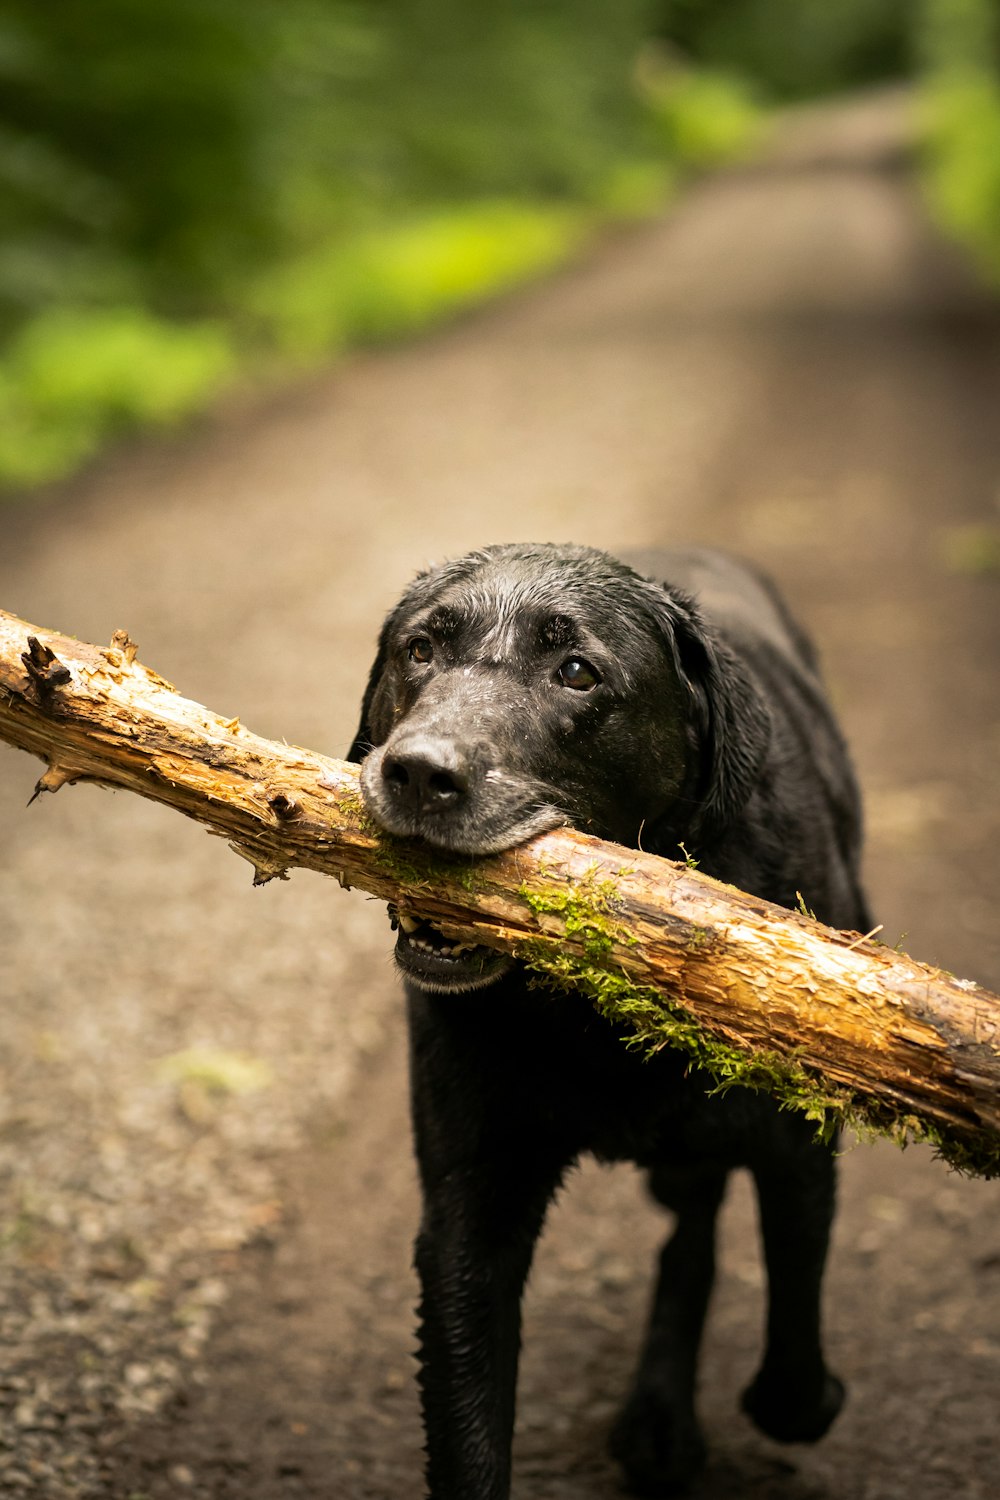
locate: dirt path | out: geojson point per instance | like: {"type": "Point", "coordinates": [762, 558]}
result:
{"type": "Point", "coordinates": [791, 364]}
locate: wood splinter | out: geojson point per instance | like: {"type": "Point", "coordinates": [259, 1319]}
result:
{"type": "Point", "coordinates": [265, 868]}
{"type": "Point", "coordinates": [52, 779]}
{"type": "Point", "coordinates": [123, 642]}
{"type": "Point", "coordinates": [44, 667]}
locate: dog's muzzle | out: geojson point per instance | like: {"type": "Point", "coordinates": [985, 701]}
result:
{"type": "Point", "coordinates": [446, 793]}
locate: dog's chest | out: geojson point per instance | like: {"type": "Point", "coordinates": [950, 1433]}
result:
{"type": "Point", "coordinates": [550, 1067]}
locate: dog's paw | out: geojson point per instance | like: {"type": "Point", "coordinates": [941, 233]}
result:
{"type": "Point", "coordinates": [792, 1410]}
{"type": "Point", "coordinates": [660, 1451]}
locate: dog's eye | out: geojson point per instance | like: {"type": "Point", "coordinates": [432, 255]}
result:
{"type": "Point", "coordinates": [421, 650]}
{"type": "Point", "coordinates": [579, 674]}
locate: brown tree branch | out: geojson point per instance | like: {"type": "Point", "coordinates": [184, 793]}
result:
{"type": "Point", "coordinates": [830, 1022]}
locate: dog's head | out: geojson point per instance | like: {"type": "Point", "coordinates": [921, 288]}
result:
{"type": "Point", "coordinates": [524, 687]}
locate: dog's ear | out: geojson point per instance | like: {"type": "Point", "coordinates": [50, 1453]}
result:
{"type": "Point", "coordinates": [730, 718]}
{"type": "Point", "coordinates": [362, 741]}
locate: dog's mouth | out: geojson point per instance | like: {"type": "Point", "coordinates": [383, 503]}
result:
{"type": "Point", "coordinates": [435, 962]}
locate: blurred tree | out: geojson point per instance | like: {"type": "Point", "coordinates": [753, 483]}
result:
{"type": "Point", "coordinates": [795, 48]}
{"type": "Point", "coordinates": [160, 162]}
{"type": "Point", "coordinates": [127, 153]}
{"type": "Point", "coordinates": [161, 149]}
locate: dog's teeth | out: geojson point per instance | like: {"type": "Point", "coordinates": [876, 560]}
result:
{"type": "Point", "coordinates": [435, 945]}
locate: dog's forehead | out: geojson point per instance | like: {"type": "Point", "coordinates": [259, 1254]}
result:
{"type": "Point", "coordinates": [508, 601]}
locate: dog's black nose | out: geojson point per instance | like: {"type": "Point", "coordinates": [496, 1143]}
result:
{"type": "Point", "coordinates": [425, 775]}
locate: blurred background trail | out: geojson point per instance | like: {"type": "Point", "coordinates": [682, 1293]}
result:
{"type": "Point", "coordinates": [204, 1163]}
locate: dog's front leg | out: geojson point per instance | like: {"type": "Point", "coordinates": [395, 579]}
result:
{"type": "Point", "coordinates": [487, 1171]}
{"type": "Point", "coordinates": [470, 1318]}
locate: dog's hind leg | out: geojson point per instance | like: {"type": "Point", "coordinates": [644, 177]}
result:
{"type": "Point", "coordinates": [794, 1397]}
{"type": "Point", "coordinates": [656, 1438]}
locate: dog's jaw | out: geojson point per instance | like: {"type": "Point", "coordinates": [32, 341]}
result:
{"type": "Point", "coordinates": [427, 959]}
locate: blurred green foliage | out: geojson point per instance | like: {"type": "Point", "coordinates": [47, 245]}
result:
{"type": "Point", "coordinates": [702, 118]}
{"type": "Point", "coordinates": [189, 188]}
{"type": "Point", "coordinates": [397, 278]}
{"type": "Point", "coordinates": [960, 47]}
{"type": "Point", "coordinates": [72, 375]}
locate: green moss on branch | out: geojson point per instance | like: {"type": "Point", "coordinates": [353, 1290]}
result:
{"type": "Point", "coordinates": [652, 1022]}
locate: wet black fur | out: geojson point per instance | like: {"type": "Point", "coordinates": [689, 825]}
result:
{"type": "Point", "coordinates": [709, 729]}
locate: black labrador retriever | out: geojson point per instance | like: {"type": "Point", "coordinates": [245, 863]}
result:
{"type": "Point", "coordinates": [516, 689]}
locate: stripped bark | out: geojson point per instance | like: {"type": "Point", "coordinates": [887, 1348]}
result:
{"type": "Point", "coordinates": [758, 994]}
